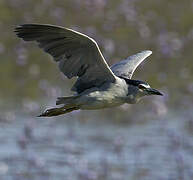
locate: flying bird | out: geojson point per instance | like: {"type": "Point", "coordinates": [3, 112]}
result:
{"type": "Point", "coordinates": [97, 86]}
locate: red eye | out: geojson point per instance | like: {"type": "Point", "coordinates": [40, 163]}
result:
{"type": "Point", "coordinates": [140, 86]}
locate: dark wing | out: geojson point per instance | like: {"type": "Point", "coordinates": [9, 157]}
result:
{"type": "Point", "coordinates": [126, 68]}
{"type": "Point", "coordinates": [76, 53]}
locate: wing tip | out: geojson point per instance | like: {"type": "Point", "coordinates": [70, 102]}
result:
{"type": "Point", "coordinates": [148, 52]}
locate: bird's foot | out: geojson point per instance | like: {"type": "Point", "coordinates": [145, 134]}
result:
{"type": "Point", "coordinates": [52, 112]}
{"type": "Point", "coordinates": [56, 112]}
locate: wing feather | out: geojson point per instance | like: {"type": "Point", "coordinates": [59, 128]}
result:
{"type": "Point", "coordinates": [126, 67]}
{"type": "Point", "coordinates": [76, 53]}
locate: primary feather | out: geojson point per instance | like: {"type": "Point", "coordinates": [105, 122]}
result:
{"type": "Point", "coordinates": [76, 53]}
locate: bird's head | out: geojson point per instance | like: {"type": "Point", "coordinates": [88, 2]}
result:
{"type": "Point", "coordinates": [145, 90]}
{"type": "Point", "coordinates": [138, 89]}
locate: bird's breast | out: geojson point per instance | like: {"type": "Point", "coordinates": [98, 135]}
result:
{"type": "Point", "coordinates": [108, 95]}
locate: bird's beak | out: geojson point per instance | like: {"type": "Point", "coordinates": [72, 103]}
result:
{"type": "Point", "coordinates": [152, 91]}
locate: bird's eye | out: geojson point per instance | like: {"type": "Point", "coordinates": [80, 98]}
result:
{"type": "Point", "coordinates": [140, 86]}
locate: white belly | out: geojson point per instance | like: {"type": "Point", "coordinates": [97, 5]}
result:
{"type": "Point", "coordinates": [100, 103]}
{"type": "Point", "coordinates": [110, 95]}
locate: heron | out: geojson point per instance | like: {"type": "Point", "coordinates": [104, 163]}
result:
{"type": "Point", "coordinates": [98, 85]}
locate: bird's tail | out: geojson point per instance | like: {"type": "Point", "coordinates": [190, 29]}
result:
{"type": "Point", "coordinates": [69, 105]}
{"type": "Point", "coordinates": [66, 100]}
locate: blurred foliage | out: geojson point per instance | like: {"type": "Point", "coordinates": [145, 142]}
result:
{"type": "Point", "coordinates": [121, 28]}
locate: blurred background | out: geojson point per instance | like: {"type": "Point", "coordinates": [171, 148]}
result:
{"type": "Point", "coordinates": [152, 140]}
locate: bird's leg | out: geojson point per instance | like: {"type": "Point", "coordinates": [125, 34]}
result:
{"type": "Point", "coordinates": [57, 111]}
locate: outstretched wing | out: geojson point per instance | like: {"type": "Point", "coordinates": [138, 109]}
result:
{"type": "Point", "coordinates": [76, 53]}
{"type": "Point", "coordinates": [126, 68]}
